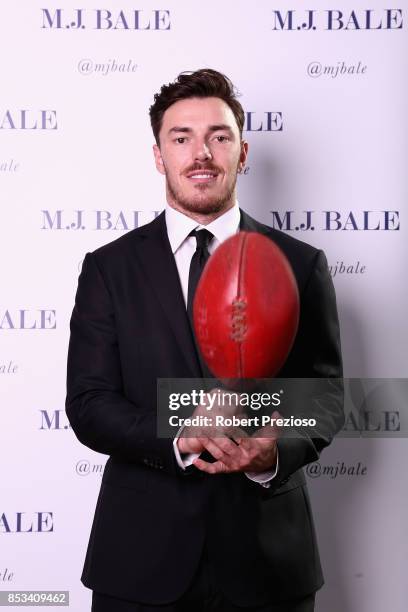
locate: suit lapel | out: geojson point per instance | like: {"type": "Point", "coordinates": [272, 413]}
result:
{"type": "Point", "coordinates": [161, 272]}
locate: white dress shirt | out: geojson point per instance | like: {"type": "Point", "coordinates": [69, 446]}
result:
{"type": "Point", "coordinates": [183, 247]}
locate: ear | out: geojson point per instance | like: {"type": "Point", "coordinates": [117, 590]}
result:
{"type": "Point", "coordinates": [243, 155]}
{"type": "Point", "coordinates": [158, 159]}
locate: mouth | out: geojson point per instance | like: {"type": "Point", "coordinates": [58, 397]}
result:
{"type": "Point", "coordinates": [202, 176]}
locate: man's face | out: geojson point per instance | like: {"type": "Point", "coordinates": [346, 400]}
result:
{"type": "Point", "coordinates": [200, 154]}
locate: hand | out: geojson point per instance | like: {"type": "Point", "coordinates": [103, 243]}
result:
{"type": "Point", "coordinates": [190, 445]}
{"type": "Point", "coordinates": [245, 454]}
{"type": "Point", "coordinates": [193, 439]}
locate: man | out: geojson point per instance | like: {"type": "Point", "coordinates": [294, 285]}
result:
{"type": "Point", "coordinates": [233, 530]}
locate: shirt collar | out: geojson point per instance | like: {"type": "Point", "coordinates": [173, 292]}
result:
{"type": "Point", "coordinates": [180, 225]}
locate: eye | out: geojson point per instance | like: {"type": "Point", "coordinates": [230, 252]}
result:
{"type": "Point", "coordinates": [222, 138]}
{"type": "Point", "coordinates": [181, 140]}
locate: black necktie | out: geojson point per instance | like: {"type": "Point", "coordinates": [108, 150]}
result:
{"type": "Point", "coordinates": [198, 261]}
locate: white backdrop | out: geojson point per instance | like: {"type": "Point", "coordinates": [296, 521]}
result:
{"type": "Point", "coordinates": [327, 112]}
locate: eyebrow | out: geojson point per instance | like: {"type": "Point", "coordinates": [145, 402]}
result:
{"type": "Point", "coordinates": [212, 128]}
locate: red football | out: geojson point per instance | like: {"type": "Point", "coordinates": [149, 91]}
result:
{"type": "Point", "coordinates": [246, 308]}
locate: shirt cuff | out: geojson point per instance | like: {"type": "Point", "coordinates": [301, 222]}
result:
{"type": "Point", "coordinates": [264, 478]}
{"type": "Point", "coordinates": [188, 458]}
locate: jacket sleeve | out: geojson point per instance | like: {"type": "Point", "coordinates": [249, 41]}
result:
{"type": "Point", "coordinates": [100, 415]}
{"type": "Point", "coordinates": [316, 355]}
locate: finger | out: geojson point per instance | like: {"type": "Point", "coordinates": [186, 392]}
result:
{"type": "Point", "coordinates": [216, 450]}
{"type": "Point", "coordinates": [248, 443]}
{"type": "Point", "coordinates": [276, 415]}
{"type": "Point", "coordinates": [266, 433]}
{"type": "Point", "coordinates": [235, 434]}
{"type": "Point", "coordinates": [269, 431]}
{"type": "Point", "coordinates": [218, 467]}
{"type": "Point", "coordinates": [239, 435]}
{"type": "Point", "coordinates": [227, 447]}
{"type": "Point", "coordinates": [190, 445]}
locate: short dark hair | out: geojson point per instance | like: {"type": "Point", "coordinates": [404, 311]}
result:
{"type": "Point", "coordinates": [204, 83]}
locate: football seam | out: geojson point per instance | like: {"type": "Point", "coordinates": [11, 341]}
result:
{"type": "Point", "coordinates": [239, 309]}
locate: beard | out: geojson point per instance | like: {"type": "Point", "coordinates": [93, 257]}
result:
{"type": "Point", "coordinates": [202, 202]}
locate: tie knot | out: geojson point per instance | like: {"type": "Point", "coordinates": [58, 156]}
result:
{"type": "Point", "coordinates": [203, 238]}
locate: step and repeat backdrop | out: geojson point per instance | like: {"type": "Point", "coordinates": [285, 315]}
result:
{"type": "Point", "coordinates": [325, 93]}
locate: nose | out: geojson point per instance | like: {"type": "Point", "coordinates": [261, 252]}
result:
{"type": "Point", "coordinates": [202, 152]}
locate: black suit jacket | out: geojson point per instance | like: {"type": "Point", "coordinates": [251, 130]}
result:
{"type": "Point", "coordinates": [129, 327]}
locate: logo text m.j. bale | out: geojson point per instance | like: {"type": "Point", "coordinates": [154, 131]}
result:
{"type": "Point", "coordinates": [103, 19]}
{"type": "Point", "coordinates": [363, 19]}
